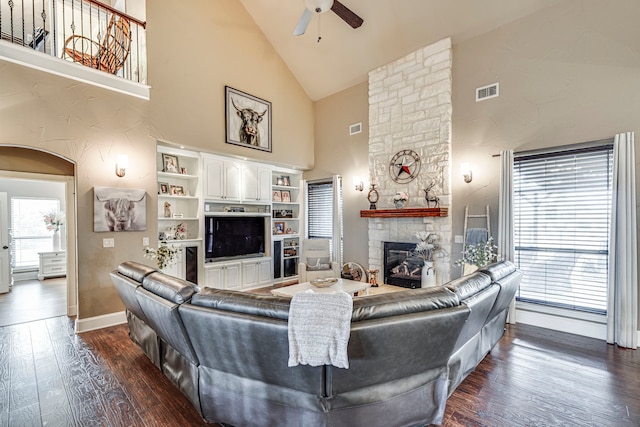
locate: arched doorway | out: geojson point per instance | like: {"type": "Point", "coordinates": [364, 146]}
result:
{"type": "Point", "coordinates": [19, 163]}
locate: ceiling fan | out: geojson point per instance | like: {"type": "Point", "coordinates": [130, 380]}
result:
{"type": "Point", "coordinates": [322, 6]}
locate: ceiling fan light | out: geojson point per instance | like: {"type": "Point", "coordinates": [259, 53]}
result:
{"type": "Point", "coordinates": [319, 6]}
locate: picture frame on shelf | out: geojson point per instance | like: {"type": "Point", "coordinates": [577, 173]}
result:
{"type": "Point", "coordinates": [163, 188]}
{"type": "Point", "coordinates": [170, 163]}
{"type": "Point", "coordinates": [279, 181]}
{"type": "Point", "coordinates": [279, 227]}
{"type": "Point", "coordinates": [183, 171]}
{"type": "Point", "coordinates": [286, 180]}
{"type": "Point", "coordinates": [286, 196]}
{"type": "Point", "coordinates": [276, 196]}
{"type": "Point", "coordinates": [248, 120]}
{"type": "Point", "coordinates": [176, 190]}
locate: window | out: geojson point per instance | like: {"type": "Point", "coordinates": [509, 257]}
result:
{"type": "Point", "coordinates": [561, 227]}
{"type": "Point", "coordinates": [320, 212]}
{"type": "Point", "coordinates": [29, 234]}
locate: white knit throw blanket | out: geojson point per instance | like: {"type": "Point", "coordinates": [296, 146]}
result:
{"type": "Point", "coordinates": [319, 329]}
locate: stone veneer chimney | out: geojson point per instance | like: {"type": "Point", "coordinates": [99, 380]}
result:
{"type": "Point", "coordinates": [410, 108]}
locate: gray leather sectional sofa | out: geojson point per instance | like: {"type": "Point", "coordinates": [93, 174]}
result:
{"type": "Point", "coordinates": [227, 351]}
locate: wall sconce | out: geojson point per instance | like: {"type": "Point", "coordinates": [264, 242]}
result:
{"type": "Point", "coordinates": [121, 165]}
{"type": "Point", "coordinates": [357, 182]}
{"type": "Point", "coordinates": [465, 169]}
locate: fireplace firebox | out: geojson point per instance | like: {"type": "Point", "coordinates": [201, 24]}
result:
{"type": "Point", "coordinates": [400, 267]}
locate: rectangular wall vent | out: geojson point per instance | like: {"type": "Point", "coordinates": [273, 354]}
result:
{"type": "Point", "coordinates": [355, 128]}
{"type": "Point", "coordinates": [488, 92]}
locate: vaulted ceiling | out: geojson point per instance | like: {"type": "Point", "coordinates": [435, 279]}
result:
{"type": "Point", "coordinates": [392, 28]}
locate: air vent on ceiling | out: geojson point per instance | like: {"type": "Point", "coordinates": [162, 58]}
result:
{"type": "Point", "coordinates": [487, 92]}
{"type": "Point", "coordinates": [355, 128]}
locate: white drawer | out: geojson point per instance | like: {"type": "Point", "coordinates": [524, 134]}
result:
{"type": "Point", "coordinates": [50, 269]}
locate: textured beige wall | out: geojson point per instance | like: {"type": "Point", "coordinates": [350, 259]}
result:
{"type": "Point", "coordinates": [338, 153]}
{"type": "Point", "coordinates": [568, 74]}
{"type": "Point", "coordinates": [90, 126]}
{"type": "Point", "coordinates": [189, 69]}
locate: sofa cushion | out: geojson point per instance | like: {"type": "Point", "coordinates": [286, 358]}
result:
{"type": "Point", "coordinates": [243, 302]}
{"type": "Point", "coordinates": [469, 285]}
{"type": "Point", "coordinates": [498, 270]}
{"type": "Point", "coordinates": [318, 263]}
{"type": "Point", "coordinates": [135, 270]}
{"type": "Point", "coordinates": [175, 290]}
{"type": "Point", "coordinates": [405, 302]}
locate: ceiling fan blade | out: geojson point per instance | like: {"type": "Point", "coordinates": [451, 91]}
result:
{"type": "Point", "coordinates": [346, 14]}
{"type": "Point", "coordinates": [303, 23]}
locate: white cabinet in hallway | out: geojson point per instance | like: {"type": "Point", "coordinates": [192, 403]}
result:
{"type": "Point", "coordinates": [52, 264]}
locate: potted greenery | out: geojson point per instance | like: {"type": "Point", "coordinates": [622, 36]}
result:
{"type": "Point", "coordinates": [477, 256]}
{"type": "Point", "coordinates": [164, 255]}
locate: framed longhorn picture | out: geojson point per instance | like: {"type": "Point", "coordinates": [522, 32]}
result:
{"type": "Point", "coordinates": [248, 120]}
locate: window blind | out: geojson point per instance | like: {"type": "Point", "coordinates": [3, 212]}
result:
{"type": "Point", "coordinates": [29, 234]}
{"type": "Point", "coordinates": [561, 227]}
{"type": "Point", "coordinates": [320, 210]}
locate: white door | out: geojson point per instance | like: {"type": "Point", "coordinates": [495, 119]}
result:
{"type": "Point", "coordinates": [5, 251]}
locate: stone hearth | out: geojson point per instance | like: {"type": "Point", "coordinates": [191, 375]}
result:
{"type": "Point", "coordinates": [410, 108]}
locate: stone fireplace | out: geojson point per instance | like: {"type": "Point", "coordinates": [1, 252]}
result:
{"type": "Point", "coordinates": [410, 109]}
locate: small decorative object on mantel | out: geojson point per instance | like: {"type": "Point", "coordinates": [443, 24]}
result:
{"type": "Point", "coordinates": [400, 199]}
{"type": "Point", "coordinates": [429, 199]}
{"type": "Point", "coordinates": [373, 197]}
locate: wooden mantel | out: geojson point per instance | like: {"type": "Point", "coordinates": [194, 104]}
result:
{"type": "Point", "coordinates": [404, 213]}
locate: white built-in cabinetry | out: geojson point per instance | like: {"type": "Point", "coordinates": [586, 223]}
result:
{"type": "Point", "coordinates": [221, 179]}
{"type": "Point", "coordinates": [223, 275]}
{"type": "Point", "coordinates": [286, 219]}
{"type": "Point", "coordinates": [179, 208]}
{"type": "Point", "coordinates": [256, 183]}
{"type": "Point", "coordinates": [195, 185]}
{"type": "Point", "coordinates": [239, 274]}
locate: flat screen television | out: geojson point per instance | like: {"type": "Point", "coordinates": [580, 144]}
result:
{"type": "Point", "coordinates": [233, 236]}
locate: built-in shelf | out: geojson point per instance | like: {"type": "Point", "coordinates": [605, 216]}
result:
{"type": "Point", "coordinates": [404, 213]}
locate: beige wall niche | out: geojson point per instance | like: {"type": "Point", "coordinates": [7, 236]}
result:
{"type": "Point", "coordinates": [338, 153]}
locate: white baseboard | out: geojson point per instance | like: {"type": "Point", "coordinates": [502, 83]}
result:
{"type": "Point", "coordinates": [585, 327]}
{"type": "Point", "coordinates": [99, 322]}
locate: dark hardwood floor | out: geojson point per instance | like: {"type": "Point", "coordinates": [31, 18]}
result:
{"type": "Point", "coordinates": [534, 377]}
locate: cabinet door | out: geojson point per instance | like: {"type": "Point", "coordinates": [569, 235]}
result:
{"type": "Point", "coordinates": [249, 183]}
{"type": "Point", "coordinates": [176, 268]}
{"type": "Point", "coordinates": [264, 273]}
{"type": "Point", "coordinates": [213, 179]}
{"type": "Point", "coordinates": [250, 274]}
{"type": "Point", "coordinates": [214, 277]}
{"type": "Point", "coordinates": [231, 181]}
{"type": "Point", "coordinates": [264, 185]}
{"type": "Point", "coordinates": [233, 275]}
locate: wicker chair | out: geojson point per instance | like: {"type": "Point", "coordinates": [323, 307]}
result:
{"type": "Point", "coordinates": [110, 55]}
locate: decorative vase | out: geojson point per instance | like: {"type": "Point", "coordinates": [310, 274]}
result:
{"type": "Point", "coordinates": [399, 204]}
{"type": "Point", "coordinates": [56, 240]}
{"type": "Point", "coordinates": [428, 279]}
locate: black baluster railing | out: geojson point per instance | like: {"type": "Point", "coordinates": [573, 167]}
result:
{"type": "Point", "coordinates": [86, 32]}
